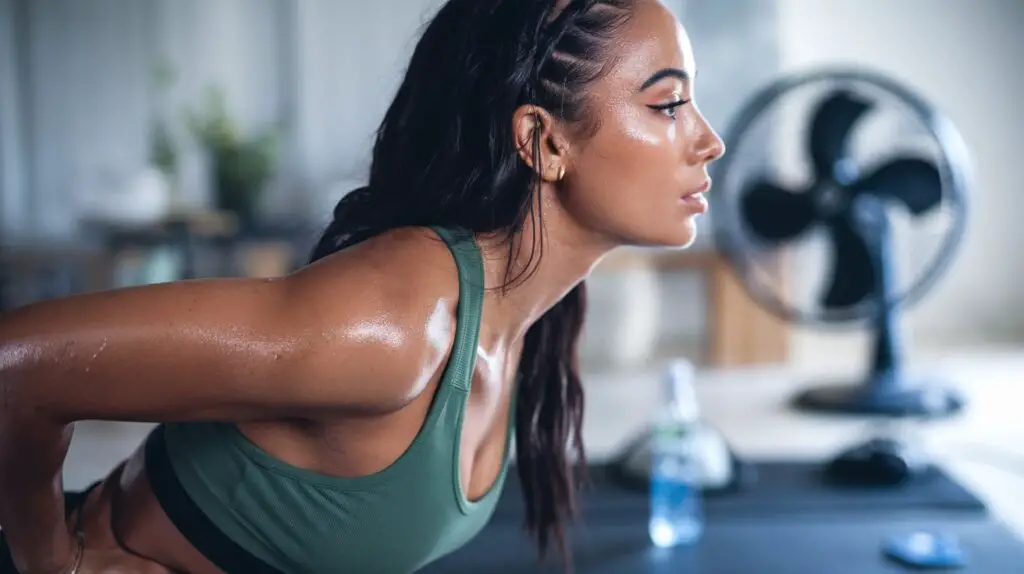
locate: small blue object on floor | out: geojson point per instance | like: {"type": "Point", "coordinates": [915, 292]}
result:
{"type": "Point", "coordinates": [925, 550]}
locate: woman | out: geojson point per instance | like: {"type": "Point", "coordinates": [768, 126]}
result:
{"type": "Point", "coordinates": [355, 415]}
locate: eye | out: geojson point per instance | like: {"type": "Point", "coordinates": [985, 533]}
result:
{"type": "Point", "coordinates": [669, 109]}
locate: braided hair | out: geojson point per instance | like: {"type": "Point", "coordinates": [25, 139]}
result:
{"type": "Point", "coordinates": [445, 154]}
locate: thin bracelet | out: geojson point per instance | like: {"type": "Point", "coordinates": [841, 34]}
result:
{"type": "Point", "coordinates": [79, 554]}
{"type": "Point", "coordinates": [80, 539]}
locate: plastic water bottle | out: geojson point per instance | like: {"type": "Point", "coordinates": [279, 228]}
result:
{"type": "Point", "coordinates": [677, 512]}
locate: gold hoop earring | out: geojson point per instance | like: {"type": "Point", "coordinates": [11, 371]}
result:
{"type": "Point", "coordinates": [561, 172]}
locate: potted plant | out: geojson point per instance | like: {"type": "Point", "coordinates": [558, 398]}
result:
{"type": "Point", "coordinates": [241, 168]}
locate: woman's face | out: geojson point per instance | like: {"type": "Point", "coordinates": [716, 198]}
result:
{"type": "Point", "coordinates": [640, 178]}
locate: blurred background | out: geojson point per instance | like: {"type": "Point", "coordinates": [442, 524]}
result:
{"type": "Point", "coordinates": [114, 113]}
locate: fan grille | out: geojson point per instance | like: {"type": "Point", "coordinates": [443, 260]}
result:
{"type": "Point", "coordinates": [769, 142]}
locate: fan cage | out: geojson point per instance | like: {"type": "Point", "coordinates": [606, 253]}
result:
{"type": "Point", "coordinates": [734, 244]}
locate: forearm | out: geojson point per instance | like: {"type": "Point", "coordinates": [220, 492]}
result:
{"type": "Point", "coordinates": [32, 452]}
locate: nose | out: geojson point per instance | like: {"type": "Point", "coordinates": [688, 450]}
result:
{"type": "Point", "coordinates": [710, 147]}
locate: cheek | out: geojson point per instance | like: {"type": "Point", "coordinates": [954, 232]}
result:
{"type": "Point", "coordinates": [634, 141]}
{"type": "Point", "coordinates": [629, 167]}
{"type": "Point", "coordinates": [635, 152]}
{"type": "Point", "coordinates": [641, 128]}
{"type": "Point", "coordinates": [644, 128]}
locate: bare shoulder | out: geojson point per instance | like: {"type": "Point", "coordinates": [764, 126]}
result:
{"type": "Point", "coordinates": [404, 272]}
{"type": "Point", "coordinates": [409, 251]}
{"type": "Point", "coordinates": [381, 317]}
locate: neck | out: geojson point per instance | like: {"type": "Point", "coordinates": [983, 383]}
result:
{"type": "Point", "coordinates": [555, 254]}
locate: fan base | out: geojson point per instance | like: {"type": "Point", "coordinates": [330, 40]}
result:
{"type": "Point", "coordinates": [919, 401]}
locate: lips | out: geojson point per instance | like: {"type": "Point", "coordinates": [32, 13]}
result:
{"type": "Point", "coordinates": [695, 199]}
{"type": "Point", "coordinates": [702, 188]}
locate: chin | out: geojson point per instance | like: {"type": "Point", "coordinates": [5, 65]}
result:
{"type": "Point", "coordinates": [686, 235]}
{"type": "Point", "coordinates": [674, 235]}
{"type": "Point", "coordinates": [680, 234]}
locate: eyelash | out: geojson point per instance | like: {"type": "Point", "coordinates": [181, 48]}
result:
{"type": "Point", "coordinates": [670, 107]}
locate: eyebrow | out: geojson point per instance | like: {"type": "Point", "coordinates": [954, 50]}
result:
{"type": "Point", "coordinates": [665, 73]}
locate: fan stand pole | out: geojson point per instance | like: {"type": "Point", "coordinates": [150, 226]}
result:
{"type": "Point", "coordinates": [886, 391]}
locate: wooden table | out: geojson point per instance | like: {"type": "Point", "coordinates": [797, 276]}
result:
{"type": "Point", "coordinates": [739, 331]}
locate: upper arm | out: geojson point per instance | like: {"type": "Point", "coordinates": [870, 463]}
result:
{"type": "Point", "coordinates": [360, 330]}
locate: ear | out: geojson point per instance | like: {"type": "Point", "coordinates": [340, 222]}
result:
{"type": "Point", "coordinates": [539, 138]}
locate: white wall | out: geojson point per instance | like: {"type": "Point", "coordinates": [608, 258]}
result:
{"type": "Point", "coordinates": [81, 97]}
{"type": "Point", "coordinates": [349, 63]}
{"type": "Point", "coordinates": [83, 61]}
{"type": "Point", "coordinates": [963, 56]}
{"type": "Point", "coordinates": [12, 198]}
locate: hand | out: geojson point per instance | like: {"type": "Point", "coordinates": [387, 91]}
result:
{"type": "Point", "coordinates": [102, 553]}
{"type": "Point", "coordinates": [53, 561]}
{"type": "Point", "coordinates": [53, 554]}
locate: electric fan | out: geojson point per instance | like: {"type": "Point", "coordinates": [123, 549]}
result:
{"type": "Point", "coordinates": [855, 191]}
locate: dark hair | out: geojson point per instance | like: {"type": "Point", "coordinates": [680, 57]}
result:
{"type": "Point", "coordinates": [445, 155]}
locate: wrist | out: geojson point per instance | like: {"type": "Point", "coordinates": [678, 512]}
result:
{"type": "Point", "coordinates": [61, 557]}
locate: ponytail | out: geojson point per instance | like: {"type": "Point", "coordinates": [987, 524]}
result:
{"type": "Point", "coordinates": [549, 421]}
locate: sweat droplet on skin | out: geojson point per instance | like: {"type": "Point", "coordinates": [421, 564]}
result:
{"type": "Point", "coordinates": [101, 348]}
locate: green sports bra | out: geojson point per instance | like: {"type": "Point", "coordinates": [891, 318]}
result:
{"type": "Point", "coordinates": [394, 521]}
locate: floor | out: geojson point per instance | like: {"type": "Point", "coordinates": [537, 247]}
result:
{"type": "Point", "coordinates": [983, 447]}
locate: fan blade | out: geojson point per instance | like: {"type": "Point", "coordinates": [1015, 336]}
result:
{"type": "Point", "coordinates": [853, 269]}
{"type": "Point", "coordinates": [773, 213]}
{"type": "Point", "coordinates": [833, 120]}
{"type": "Point", "coordinates": [913, 181]}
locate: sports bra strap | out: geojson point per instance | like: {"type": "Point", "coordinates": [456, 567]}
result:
{"type": "Point", "coordinates": [469, 262]}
